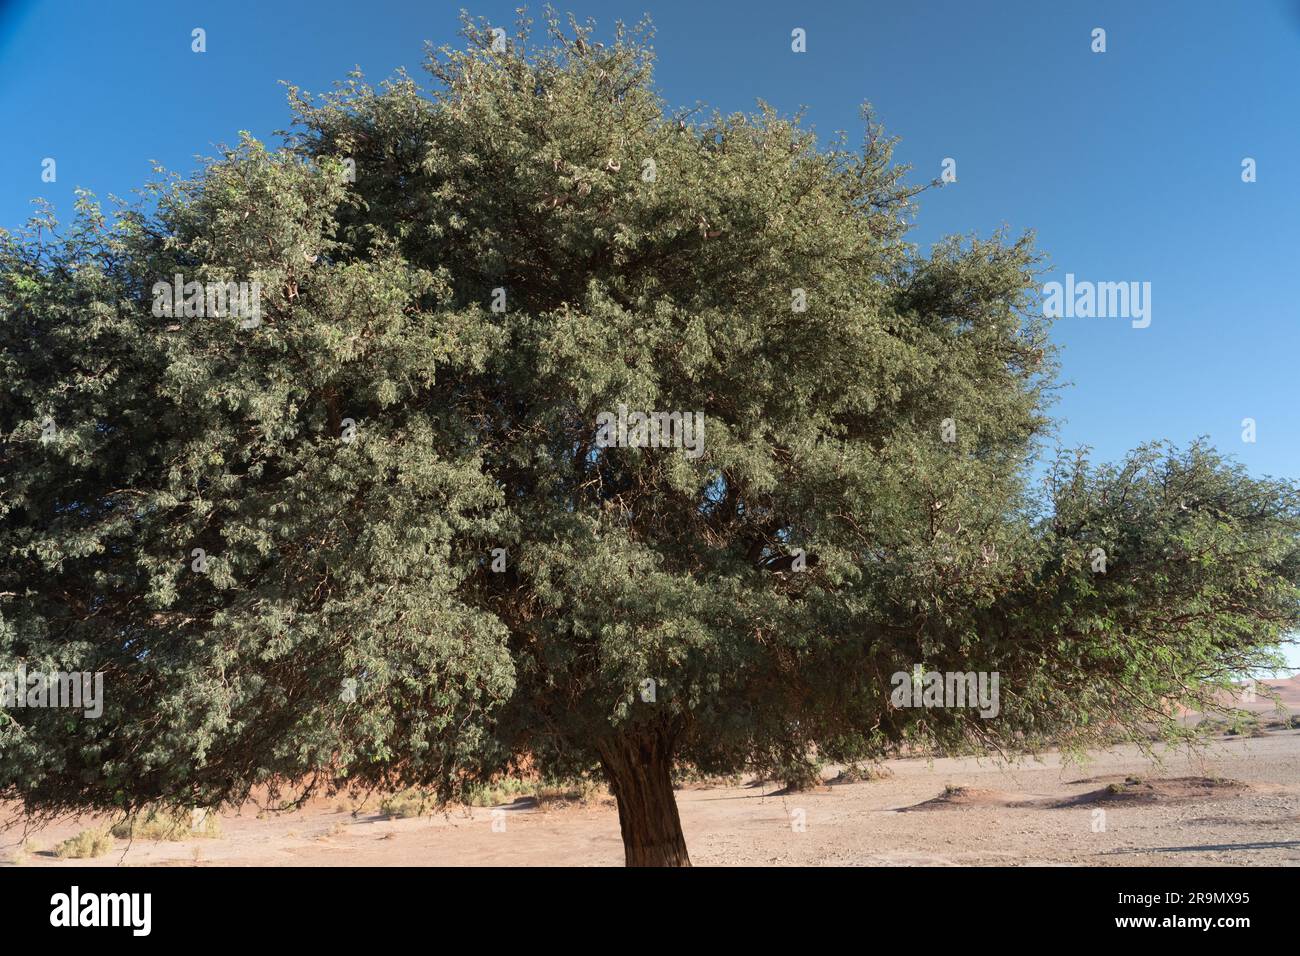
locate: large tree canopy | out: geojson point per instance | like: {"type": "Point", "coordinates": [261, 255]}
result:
{"type": "Point", "coordinates": [281, 542]}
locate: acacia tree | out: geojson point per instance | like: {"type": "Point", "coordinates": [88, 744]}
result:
{"type": "Point", "coordinates": [373, 541]}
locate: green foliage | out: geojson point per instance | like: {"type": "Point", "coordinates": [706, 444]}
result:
{"type": "Point", "coordinates": [368, 560]}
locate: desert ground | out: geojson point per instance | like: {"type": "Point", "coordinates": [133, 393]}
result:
{"type": "Point", "coordinates": [1236, 802]}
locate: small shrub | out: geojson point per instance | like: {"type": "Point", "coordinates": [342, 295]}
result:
{"type": "Point", "coordinates": [801, 774]}
{"type": "Point", "coordinates": [86, 845]}
{"type": "Point", "coordinates": [552, 791]}
{"type": "Point", "coordinates": [411, 802]}
{"type": "Point", "coordinates": [1244, 726]}
{"type": "Point", "coordinates": [505, 790]}
{"type": "Point", "coordinates": [158, 823]}
{"type": "Point", "coordinates": [858, 773]}
{"type": "Point", "coordinates": [689, 775]}
{"type": "Point", "coordinates": [575, 791]}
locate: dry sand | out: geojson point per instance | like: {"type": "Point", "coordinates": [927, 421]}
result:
{"type": "Point", "coordinates": [1235, 803]}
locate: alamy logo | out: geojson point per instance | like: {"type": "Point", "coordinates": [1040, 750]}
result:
{"type": "Point", "coordinates": [923, 688]}
{"type": "Point", "coordinates": [103, 909]}
{"type": "Point", "coordinates": [80, 690]}
{"type": "Point", "coordinates": [651, 430]}
{"type": "Point", "coordinates": [1100, 300]}
{"type": "Point", "coordinates": [194, 300]}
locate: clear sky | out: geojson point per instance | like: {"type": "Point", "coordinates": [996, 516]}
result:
{"type": "Point", "coordinates": [1127, 164]}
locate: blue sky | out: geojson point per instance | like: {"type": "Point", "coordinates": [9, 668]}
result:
{"type": "Point", "coordinates": [1127, 163]}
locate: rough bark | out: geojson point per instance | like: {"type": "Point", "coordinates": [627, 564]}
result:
{"type": "Point", "coordinates": [639, 771]}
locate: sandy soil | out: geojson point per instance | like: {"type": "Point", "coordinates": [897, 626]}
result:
{"type": "Point", "coordinates": [1235, 803]}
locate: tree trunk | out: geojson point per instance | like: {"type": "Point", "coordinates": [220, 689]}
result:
{"type": "Point", "coordinates": [639, 770]}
